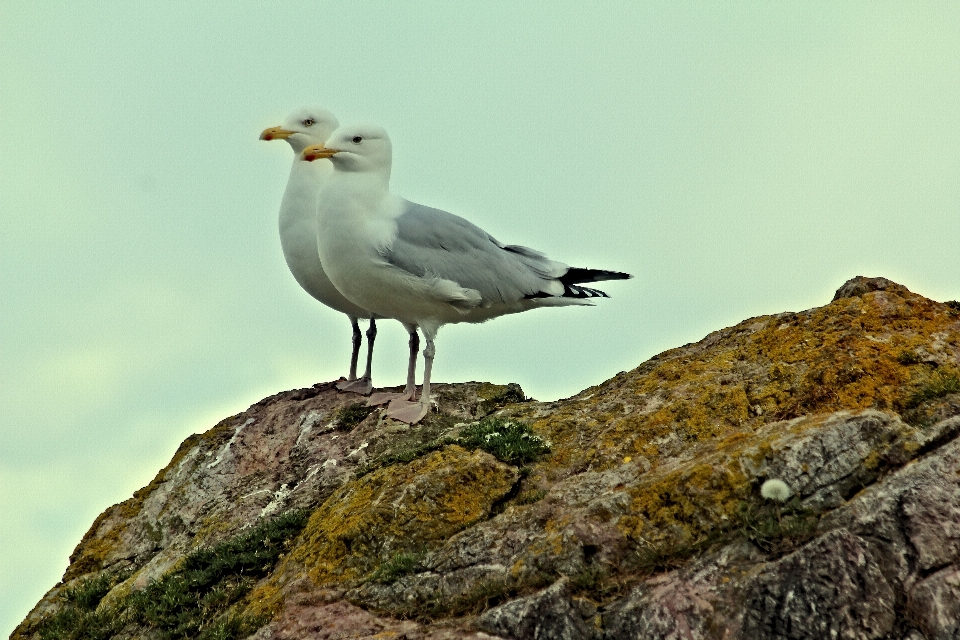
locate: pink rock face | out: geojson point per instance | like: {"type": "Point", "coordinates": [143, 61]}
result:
{"type": "Point", "coordinates": [935, 604]}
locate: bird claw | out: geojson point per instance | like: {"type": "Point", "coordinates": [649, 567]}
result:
{"type": "Point", "coordinates": [406, 411]}
{"type": "Point", "coordinates": [363, 386]}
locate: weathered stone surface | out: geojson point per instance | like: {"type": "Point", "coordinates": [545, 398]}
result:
{"type": "Point", "coordinates": [547, 615]}
{"type": "Point", "coordinates": [832, 588]}
{"type": "Point", "coordinates": [860, 285]}
{"type": "Point", "coordinates": [935, 605]}
{"type": "Point", "coordinates": [672, 606]}
{"type": "Point", "coordinates": [831, 462]}
{"type": "Point", "coordinates": [648, 503]}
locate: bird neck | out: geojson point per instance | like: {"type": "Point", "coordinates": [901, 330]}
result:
{"type": "Point", "coordinates": [351, 197]}
{"type": "Point", "coordinates": [306, 180]}
{"type": "Point", "coordinates": [367, 186]}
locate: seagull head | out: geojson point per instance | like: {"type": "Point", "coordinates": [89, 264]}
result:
{"type": "Point", "coordinates": [362, 147]}
{"type": "Point", "coordinates": [304, 127]}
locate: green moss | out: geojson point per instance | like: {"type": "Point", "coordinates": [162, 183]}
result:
{"type": "Point", "coordinates": [671, 554]}
{"type": "Point", "coordinates": [493, 397]}
{"type": "Point", "coordinates": [483, 595]}
{"type": "Point", "coordinates": [403, 456]}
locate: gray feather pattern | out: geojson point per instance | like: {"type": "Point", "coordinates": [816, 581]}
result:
{"type": "Point", "coordinates": [434, 243]}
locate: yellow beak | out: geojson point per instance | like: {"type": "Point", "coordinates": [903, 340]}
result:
{"type": "Point", "coordinates": [317, 151]}
{"type": "Point", "coordinates": [276, 133]}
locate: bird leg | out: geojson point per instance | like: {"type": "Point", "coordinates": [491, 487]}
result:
{"type": "Point", "coordinates": [364, 384]}
{"type": "Point", "coordinates": [357, 338]}
{"type": "Point", "coordinates": [413, 412]}
{"type": "Point", "coordinates": [409, 393]}
{"type": "Point", "coordinates": [411, 389]}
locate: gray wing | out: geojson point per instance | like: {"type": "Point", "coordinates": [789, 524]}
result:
{"type": "Point", "coordinates": [434, 243]}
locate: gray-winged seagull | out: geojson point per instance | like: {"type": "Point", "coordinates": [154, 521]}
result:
{"type": "Point", "coordinates": [423, 266]}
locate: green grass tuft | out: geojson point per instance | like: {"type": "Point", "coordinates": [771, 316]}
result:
{"type": "Point", "coordinates": [938, 386]}
{"type": "Point", "coordinates": [88, 594]}
{"type": "Point", "coordinates": [777, 528]}
{"type": "Point", "coordinates": [908, 357]}
{"type": "Point", "coordinates": [78, 618]}
{"type": "Point", "coordinates": [509, 441]}
{"type": "Point", "coordinates": [402, 456]}
{"type": "Point", "coordinates": [396, 567]}
{"type": "Point", "coordinates": [512, 442]}
{"type": "Point", "coordinates": [529, 497]}
{"type": "Point", "coordinates": [192, 601]}
{"type": "Point", "coordinates": [352, 415]}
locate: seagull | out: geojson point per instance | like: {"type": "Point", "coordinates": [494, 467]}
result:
{"type": "Point", "coordinates": [423, 266]}
{"type": "Point", "coordinates": [298, 229]}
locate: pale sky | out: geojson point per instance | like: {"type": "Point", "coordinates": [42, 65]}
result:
{"type": "Point", "coordinates": [738, 158]}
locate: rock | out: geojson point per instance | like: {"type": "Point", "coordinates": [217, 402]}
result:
{"type": "Point", "coordinates": [664, 608]}
{"type": "Point", "coordinates": [548, 615]}
{"type": "Point", "coordinates": [935, 604]}
{"type": "Point", "coordinates": [832, 588]}
{"type": "Point", "coordinates": [644, 520]}
{"type": "Point", "coordinates": [860, 285]}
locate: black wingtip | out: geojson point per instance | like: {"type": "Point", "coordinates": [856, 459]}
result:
{"type": "Point", "coordinates": [571, 291]}
{"type": "Point", "coordinates": [577, 275]}
{"type": "Point", "coordinates": [574, 291]}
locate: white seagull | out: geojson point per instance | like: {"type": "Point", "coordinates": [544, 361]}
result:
{"type": "Point", "coordinates": [298, 228]}
{"type": "Point", "coordinates": [423, 266]}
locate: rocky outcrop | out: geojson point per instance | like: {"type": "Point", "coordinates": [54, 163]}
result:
{"type": "Point", "coordinates": [632, 510]}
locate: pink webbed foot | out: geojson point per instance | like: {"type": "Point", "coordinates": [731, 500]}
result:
{"type": "Point", "coordinates": [383, 397]}
{"type": "Point", "coordinates": [406, 411]}
{"type": "Point", "coordinates": [363, 386]}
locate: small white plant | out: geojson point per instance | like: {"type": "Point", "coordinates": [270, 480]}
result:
{"type": "Point", "coordinates": [775, 490]}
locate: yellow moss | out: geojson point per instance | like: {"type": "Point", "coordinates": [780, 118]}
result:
{"type": "Point", "coordinates": [488, 390]}
{"type": "Point", "coordinates": [266, 600]}
{"type": "Point", "coordinates": [682, 506]}
{"type": "Point", "coordinates": [397, 508]}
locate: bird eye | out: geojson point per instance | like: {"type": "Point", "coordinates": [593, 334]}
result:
{"type": "Point", "coordinates": [309, 122]}
{"type": "Point", "coordinates": [357, 139]}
